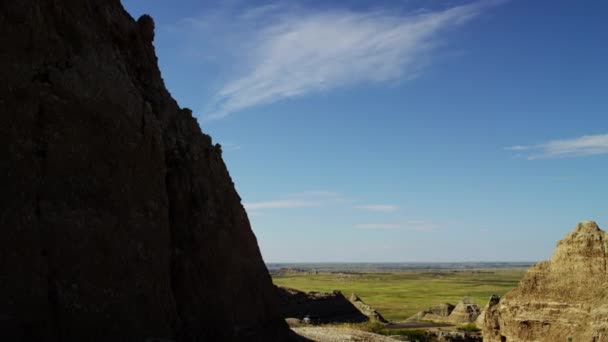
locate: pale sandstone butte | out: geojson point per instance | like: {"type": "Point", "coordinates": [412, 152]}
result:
{"type": "Point", "coordinates": [464, 312]}
{"type": "Point", "coordinates": [118, 218]}
{"type": "Point", "coordinates": [560, 299]}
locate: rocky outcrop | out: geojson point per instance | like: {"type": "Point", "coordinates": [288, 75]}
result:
{"type": "Point", "coordinates": [318, 307]}
{"type": "Point", "coordinates": [480, 321]}
{"type": "Point", "coordinates": [119, 219]}
{"type": "Point", "coordinates": [366, 309]}
{"type": "Point", "coordinates": [437, 313]}
{"type": "Point", "coordinates": [439, 335]}
{"type": "Point", "coordinates": [565, 298]}
{"type": "Point", "coordinates": [464, 312]}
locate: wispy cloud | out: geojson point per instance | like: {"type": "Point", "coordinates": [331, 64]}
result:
{"type": "Point", "coordinates": [585, 145]}
{"type": "Point", "coordinates": [315, 194]}
{"type": "Point", "coordinates": [384, 208]}
{"type": "Point", "coordinates": [282, 204]}
{"type": "Point", "coordinates": [305, 199]}
{"type": "Point", "coordinates": [411, 225]}
{"type": "Point", "coordinates": [230, 146]}
{"type": "Point", "coordinates": [287, 51]}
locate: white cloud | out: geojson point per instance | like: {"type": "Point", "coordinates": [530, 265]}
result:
{"type": "Point", "coordinates": [378, 226]}
{"type": "Point", "coordinates": [230, 146]}
{"type": "Point", "coordinates": [518, 148]}
{"type": "Point", "coordinates": [585, 145]}
{"type": "Point", "coordinates": [282, 204]}
{"type": "Point", "coordinates": [384, 208]}
{"type": "Point", "coordinates": [315, 193]}
{"type": "Point", "coordinates": [284, 52]}
{"type": "Point", "coordinates": [411, 225]}
{"type": "Point", "coordinates": [305, 199]}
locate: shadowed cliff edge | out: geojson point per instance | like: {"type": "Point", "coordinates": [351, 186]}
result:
{"type": "Point", "coordinates": [119, 219]}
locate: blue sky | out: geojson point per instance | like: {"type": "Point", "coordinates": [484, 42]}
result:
{"type": "Point", "coordinates": [399, 130]}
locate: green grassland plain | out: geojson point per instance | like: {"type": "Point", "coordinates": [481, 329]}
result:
{"type": "Point", "coordinates": [401, 294]}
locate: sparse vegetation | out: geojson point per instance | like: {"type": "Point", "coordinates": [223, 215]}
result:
{"type": "Point", "coordinates": [471, 327]}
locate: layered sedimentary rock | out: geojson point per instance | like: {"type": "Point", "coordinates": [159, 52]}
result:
{"type": "Point", "coordinates": [366, 309]}
{"type": "Point", "coordinates": [565, 298]}
{"type": "Point", "coordinates": [439, 312]}
{"type": "Point", "coordinates": [318, 307]}
{"type": "Point", "coordinates": [479, 322]}
{"type": "Point", "coordinates": [439, 335]}
{"type": "Point", "coordinates": [464, 312]}
{"type": "Point", "coordinates": [119, 219]}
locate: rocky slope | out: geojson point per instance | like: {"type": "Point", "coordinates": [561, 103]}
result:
{"type": "Point", "coordinates": [319, 307]}
{"type": "Point", "coordinates": [366, 309]}
{"type": "Point", "coordinates": [340, 334]}
{"type": "Point", "coordinates": [565, 298]}
{"type": "Point", "coordinates": [119, 219]}
{"type": "Point", "coordinates": [439, 313]}
{"type": "Point", "coordinates": [462, 313]}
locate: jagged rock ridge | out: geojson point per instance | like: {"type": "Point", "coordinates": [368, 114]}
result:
{"type": "Point", "coordinates": [119, 219]}
{"type": "Point", "coordinates": [565, 298]}
{"type": "Point", "coordinates": [366, 309]}
{"type": "Point", "coordinates": [464, 312]}
{"type": "Point", "coordinates": [319, 307]}
{"type": "Point", "coordinates": [439, 312]}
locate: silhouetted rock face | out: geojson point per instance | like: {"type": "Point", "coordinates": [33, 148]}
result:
{"type": "Point", "coordinates": [564, 298]}
{"type": "Point", "coordinates": [119, 220]}
{"type": "Point", "coordinates": [319, 307]}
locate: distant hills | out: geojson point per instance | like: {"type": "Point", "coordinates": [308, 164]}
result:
{"type": "Point", "coordinates": [332, 267]}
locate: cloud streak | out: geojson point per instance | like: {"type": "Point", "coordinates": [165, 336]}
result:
{"type": "Point", "coordinates": [586, 145]}
{"type": "Point", "coordinates": [287, 52]}
{"type": "Point", "coordinates": [305, 199]}
{"type": "Point", "coordinates": [283, 204]}
{"type": "Point", "coordinates": [411, 225]}
{"type": "Point", "coordinates": [382, 208]}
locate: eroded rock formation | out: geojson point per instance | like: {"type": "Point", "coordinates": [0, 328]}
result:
{"type": "Point", "coordinates": [366, 309]}
{"type": "Point", "coordinates": [462, 313]}
{"type": "Point", "coordinates": [119, 219]}
{"type": "Point", "coordinates": [439, 312]}
{"type": "Point", "coordinates": [319, 307]}
{"type": "Point", "coordinates": [479, 322]}
{"type": "Point", "coordinates": [565, 298]}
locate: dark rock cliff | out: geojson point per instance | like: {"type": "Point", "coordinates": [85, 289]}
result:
{"type": "Point", "coordinates": [319, 307]}
{"type": "Point", "coordinates": [118, 218]}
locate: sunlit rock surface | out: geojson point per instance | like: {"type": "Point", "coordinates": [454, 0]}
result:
{"type": "Point", "coordinates": [560, 299]}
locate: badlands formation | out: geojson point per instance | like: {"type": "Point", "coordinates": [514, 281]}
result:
{"type": "Point", "coordinates": [562, 299]}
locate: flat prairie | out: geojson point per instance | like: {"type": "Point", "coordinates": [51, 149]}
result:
{"type": "Point", "coordinates": [399, 295]}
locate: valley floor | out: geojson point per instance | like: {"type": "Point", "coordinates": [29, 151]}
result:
{"type": "Point", "coordinates": [399, 295]}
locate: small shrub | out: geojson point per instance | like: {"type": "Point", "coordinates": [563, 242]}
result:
{"type": "Point", "coordinates": [471, 327]}
{"type": "Point", "coordinates": [372, 326]}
